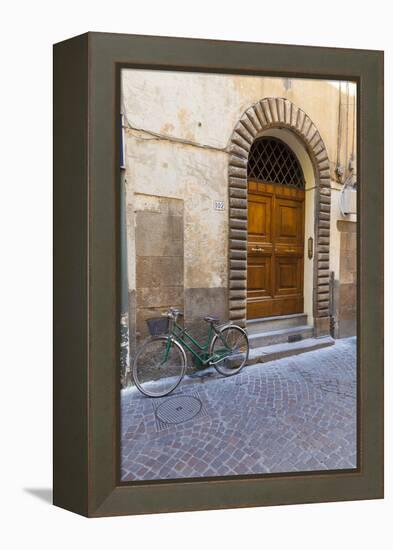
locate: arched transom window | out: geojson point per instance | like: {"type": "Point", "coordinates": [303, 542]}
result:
{"type": "Point", "coordinates": [272, 161]}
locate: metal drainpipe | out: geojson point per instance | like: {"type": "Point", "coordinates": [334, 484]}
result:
{"type": "Point", "coordinates": [339, 169]}
{"type": "Point", "coordinates": [124, 306]}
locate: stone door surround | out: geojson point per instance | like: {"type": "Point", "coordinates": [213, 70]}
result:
{"type": "Point", "coordinates": [277, 112]}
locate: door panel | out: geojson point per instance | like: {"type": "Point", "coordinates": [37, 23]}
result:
{"type": "Point", "coordinates": [259, 218]}
{"type": "Point", "coordinates": [259, 280]}
{"type": "Point", "coordinates": [288, 218]}
{"type": "Point", "coordinates": [288, 278]}
{"type": "Point", "coordinates": [275, 250]}
{"type": "Point", "coordinates": [260, 246]}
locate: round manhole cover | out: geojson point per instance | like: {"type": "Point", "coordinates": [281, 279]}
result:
{"type": "Point", "coordinates": [178, 409]}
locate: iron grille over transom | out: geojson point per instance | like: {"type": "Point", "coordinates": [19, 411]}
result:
{"type": "Point", "coordinates": [272, 161]}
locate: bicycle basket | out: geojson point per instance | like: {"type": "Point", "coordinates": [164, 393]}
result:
{"type": "Point", "coordinates": [158, 325]}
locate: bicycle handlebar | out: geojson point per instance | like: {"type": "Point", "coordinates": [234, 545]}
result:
{"type": "Point", "coordinates": [173, 313]}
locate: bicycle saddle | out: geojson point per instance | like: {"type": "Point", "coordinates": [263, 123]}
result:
{"type": "Point", "coordinates": [210, 319]}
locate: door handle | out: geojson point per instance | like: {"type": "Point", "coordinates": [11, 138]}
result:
{"type": "Point", "coordinates": [310, 247]}
{"type": "Point", "coordinates": [257, 249]}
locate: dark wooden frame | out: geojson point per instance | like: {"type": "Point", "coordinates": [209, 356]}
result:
{"type": "Point", "coordinates": [86, 267]}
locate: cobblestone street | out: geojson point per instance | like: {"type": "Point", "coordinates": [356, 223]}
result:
{"type": "Point", "coordinates": [294, 414]}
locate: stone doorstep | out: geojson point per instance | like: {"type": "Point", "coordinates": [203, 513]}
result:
{"type": "Point", "coordinates": [264, 324]}
{"type": "Point", "coordinates": [277, 351]}
{"type": "Point", "coordinates": [272, 337]}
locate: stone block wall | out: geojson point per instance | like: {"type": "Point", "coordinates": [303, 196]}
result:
{"type": "Point", "coordinates": [346, 289]}
{"type": "Point", "coordinates": [159, 238]}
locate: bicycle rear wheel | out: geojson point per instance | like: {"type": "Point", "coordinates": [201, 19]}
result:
{"type": "Point", "coordinates": [229, 350]}
{"type": "Point", "coordinates": [159, 366]}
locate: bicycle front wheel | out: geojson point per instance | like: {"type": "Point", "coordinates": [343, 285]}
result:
{"type": "Point", "coordinates": [229, 350]}
{"type": "Point", "coordinates": [159, 366]}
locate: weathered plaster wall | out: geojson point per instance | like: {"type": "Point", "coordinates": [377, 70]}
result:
{"type": "Point", "coordinates": [204, 108]}
{"type": "Point", "coordinates": [197, 177]}
{"type": "Point", "coordinates": [173, 170]}
{"type": "Point", "coordinates": [178, 127]}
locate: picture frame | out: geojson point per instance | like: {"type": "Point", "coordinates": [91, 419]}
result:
{"type": "Point", "coordinates": [86, 471]}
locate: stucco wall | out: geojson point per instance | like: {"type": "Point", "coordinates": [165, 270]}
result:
{"type": "Point", "coordinates": [345, 283]}
{"type": "Point", "coordinates": [204, 108]}
{"type": "Point", "coordinates": [177, 131]}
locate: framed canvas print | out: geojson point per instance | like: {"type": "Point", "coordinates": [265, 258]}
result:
{"type": "Point", "coordinates": [218, 259]}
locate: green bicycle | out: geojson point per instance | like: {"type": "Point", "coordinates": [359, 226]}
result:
{"type": "Point", "coordinates": [160, 364]}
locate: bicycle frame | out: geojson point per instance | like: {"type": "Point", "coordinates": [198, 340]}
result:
{"type": "Point", "coordinates": [201, 354]}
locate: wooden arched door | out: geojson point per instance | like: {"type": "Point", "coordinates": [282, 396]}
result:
{"type": "Point", "coordinates": [275, 247]}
